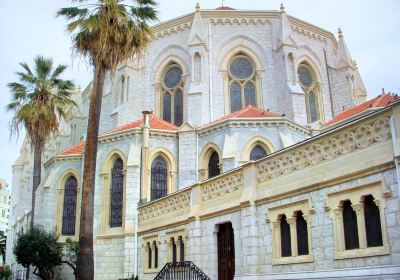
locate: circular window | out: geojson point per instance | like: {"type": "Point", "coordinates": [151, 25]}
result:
{"type": "Point", "coordinates": [305, 76]}
{"type": "Point", "coordinates": [241, 68]}
{"type": "Point", "coordinates": [173, 77]}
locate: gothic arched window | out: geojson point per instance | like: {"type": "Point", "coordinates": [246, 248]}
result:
{"type": "Point", "coordinates": [372, 222]}
{"type": "Point", "coordinates": [213, 165]}
{"type": "Point", "coordinates": [159, 178]}
{"type": "Point", "coordinates": [117, 193]}
{"type": "Point", "coordinates": [257, 153]}
{"type": "Point", "coordinates": [285, 237]}
{"type": "Point", "coordinates": [311, 89]}
{"type": "Point", "coordinates": [242, 83]}
{"type": "Point", "coordinates": [69, 212]}
{"type": "Point", "coordinates": [350, 226]}
{"type": "Point", "coordinates": [172, 95]}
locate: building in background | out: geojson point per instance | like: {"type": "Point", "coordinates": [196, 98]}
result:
{"type": "Point", "coordinates": [241, 142]}
{"type": "Point", "coordinates": [4, 205]}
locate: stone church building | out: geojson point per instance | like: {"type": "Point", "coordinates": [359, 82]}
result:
{"type": "Point", "coordinates": [242, 142]}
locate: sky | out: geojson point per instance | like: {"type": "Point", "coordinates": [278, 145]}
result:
{"type": "Point", "coordinates": [28, 28]}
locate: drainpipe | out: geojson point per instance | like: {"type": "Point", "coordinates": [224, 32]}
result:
{"type": "Point", "coordinates": [396, 161]}
{"type": "Point", "coordinates": [210, 72]}
{"type": "Point", "coordinates": [143, 169]}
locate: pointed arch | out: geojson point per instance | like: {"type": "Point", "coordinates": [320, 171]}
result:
{"type": "Point", "coordinates": [209, 150]}
{"type": "Point", "coordinates": [65, 176]}
{"type": "Point", "coordinates": [257, 140]}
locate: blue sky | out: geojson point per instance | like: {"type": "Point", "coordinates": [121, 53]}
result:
{"type": "Point", "coordinates": [28, 28]}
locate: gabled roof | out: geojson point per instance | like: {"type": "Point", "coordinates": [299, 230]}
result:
{"type": "Point", "coordinates": [248, 112]}
{"type": "Point", "coordinates": [155, 123]}
{"type": "Point", "coordinates": [380, 101]}
{"type": "Point", "coordinates": [74, 150]}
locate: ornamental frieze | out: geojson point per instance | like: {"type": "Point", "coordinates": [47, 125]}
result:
{"type": "Point", "coordinates": [222, 186]}
{"type": "Point", "coordinates": [175, 202]}
{"type": "Point", "coordinates": [346, 142]}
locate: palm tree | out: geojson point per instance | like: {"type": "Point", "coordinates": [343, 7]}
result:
{"type": "Point", "coordinates": [38, 100]}
{"type": "Point", "coordinates": [107, 32]}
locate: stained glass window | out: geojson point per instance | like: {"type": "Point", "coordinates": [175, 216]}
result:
{"type": "Point", "coordinates": [167, 107]}
{"type": "Point", "coordinates": [350, 226]}
{"type": "Point", "coordinates": [302, 234]}
{"type": "Point", "coordinates": [372, 222]}
{"type": "Point", "coordinates": [117, 192]}
{"type": "Point", "coordinates": [172, 95]}
{"type": "Point", "coordinates": [249, 94]}
{"type": "Point", "coordinates": [241, 68]}
{"type": "Point", "coordinates": [159, 179]}
{"type": "Point", "coordinates": [257, 153]}
{"type": "Point", "coordinates": [213, 165]}
{"type": "Point", "coordinates": [305, 76]}
{"type": "Point", "coordinates": [178, 110]}
{"type": "Point", "coordinates": [286, 247]}
{"type": "Point", "coordinates": [236, 98]}
{"type": "Point", "coordinates": [309, 86]}
{"type": "Point", "coordinates": [242, 79]}
{"type": "Point", "coordinates": [173, 77]}
{"type": "Point", "coordinates": [69, 212]}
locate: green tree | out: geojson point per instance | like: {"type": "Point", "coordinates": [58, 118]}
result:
{"type": "Point", "coordinates": [71, 251]}
{"type": "Point", "coordinates": [38, 99]}
{"type": "Point", "coordinates": [107, 32]}
{"type": "Point", "coordinates": [40, 249]}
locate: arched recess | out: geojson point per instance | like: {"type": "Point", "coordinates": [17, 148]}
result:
{"type": "Point", "coordinates": [60, 202]}
{"type": "Point", "coordinates": [170, 55]}
{"type": "Point", "coordinates": [204, 158]}
{"type": "Point", "coordinates": [106, 175]}
{"type": "Point", "coordinates": [313, 92]}
{"type": "Point", "coordinates": [253, 142]}
{"type": "Point", "coordinates": [241, 51]}
{"type": "Point", "coordinates": [172, 167]}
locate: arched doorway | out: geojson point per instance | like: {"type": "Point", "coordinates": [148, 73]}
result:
{"type": "Point", "coordinates": [226, 252]}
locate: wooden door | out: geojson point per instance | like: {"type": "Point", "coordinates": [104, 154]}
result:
{"type": "Point", "coordinates": [226, 252]}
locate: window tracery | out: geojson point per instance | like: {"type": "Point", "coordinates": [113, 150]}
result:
{"type": "Point", "coordinates": [159, 178]}
{"type": "Point", "coordinates": [242, 83]}
{"type": "Point", "coordinates": [311, 88]}
{"type": "Point", "coordinates": [172, 95]}
{"type": "Point", "coordinates": [69, 209]}
{"type": "Point", "coordinates": [116, 198]}
{"type": "Point", "coordinates": [257, 153]}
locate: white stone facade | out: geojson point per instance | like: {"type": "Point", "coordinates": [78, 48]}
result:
{"type": "Point", "coordinates": [203, 44]}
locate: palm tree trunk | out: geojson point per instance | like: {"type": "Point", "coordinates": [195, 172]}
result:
{"type": "Point", "coordinates": [37, 172]}
{"type": "Point", "coordinates": [85, 264]}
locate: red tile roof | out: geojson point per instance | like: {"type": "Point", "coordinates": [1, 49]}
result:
{"type": "Point", "coordinates": [380, 101]}
{"type": "Point", "coordinates": [247, 112]}
{"type": "Point", "coordinates": [74, 150]}
{"type": "Point", "coordinates": [155, 123]}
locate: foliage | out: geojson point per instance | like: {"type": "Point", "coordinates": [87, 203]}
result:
{"type": "Point", "coordinates": [5, 273]}
{"type": "Point", "coordinates": [37, 98]}
{"type": "Point", "coordinates": [39, 248]}
{"type": "Point", "coordinates": [3, 240]}
{"type": "Point", "coordinates": [71, 251]}
{"type": "Point", "coordinates": [109, 31]}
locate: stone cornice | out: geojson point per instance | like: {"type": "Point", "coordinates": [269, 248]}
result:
{"type": "Point", "coordinates": [76, 157]}
{"type": "Point", "coordinates": [269, 121]}
{"type": "Point", "coordinates": [239, 17]}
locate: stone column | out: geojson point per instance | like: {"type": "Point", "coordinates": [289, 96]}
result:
{"type": "Point", "coordinates": [338, 229]}
{"type": "Point", "coordinates": [145, 154]}
{"type": "Point", "coordinates": [362, 238]}
{"type": "Point", "coordinates": [293, 236]}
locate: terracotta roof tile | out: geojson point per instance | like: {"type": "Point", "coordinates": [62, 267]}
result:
{"type": "Point", "coordinates": [380, 101]}
{"type": "Point", "coordinates": [247, 112]}
{"type": "Point", "coordinates": [74, 150]}
{"type": "Point", "coordinates": [155, 123]}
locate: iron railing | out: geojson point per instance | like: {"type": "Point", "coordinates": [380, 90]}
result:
{"type": "Point", "coordinates": [181, 271]}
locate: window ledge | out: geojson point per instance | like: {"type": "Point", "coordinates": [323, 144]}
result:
{"type": "Point", "coordinates": [292, 260]}
{"type": "Point", "coordinates": [361, 253]}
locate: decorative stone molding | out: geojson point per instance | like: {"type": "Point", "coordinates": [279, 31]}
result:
{"type": "Point", "coordinates": [223, 186]}
{"type": "Point", "coordinates": [336, 145]}
{"type": "Point", "coordinates": [172, 30]}
{"type": "Point", "coordinates": [308, 33]}
{"type": "Point", "coordinates": [169, 204]}
{"type": "Point", "coordinates": [240, 21]}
